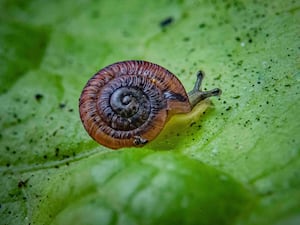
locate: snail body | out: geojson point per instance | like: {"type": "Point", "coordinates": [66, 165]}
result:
{"type": "Point", "coordinates": [128, 103]}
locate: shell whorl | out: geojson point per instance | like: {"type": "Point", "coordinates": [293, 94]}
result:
{"type": "Point", "coordinates": [127, 103]}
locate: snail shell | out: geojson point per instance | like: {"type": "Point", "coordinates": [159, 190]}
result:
{"type": "Point", "coordinates": [128, 103]}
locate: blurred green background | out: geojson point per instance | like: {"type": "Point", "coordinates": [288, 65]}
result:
{"type": "Point", "coordinates": [232, 161]}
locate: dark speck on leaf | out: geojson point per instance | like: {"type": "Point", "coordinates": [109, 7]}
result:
{"type": "Point", "coordinates": [166, 22]}
{"type": "Point", "coordinates": [56, 152]}
{"type": "Point", "coordinates": [38, 97]}
{"type": "Point", "coordinates": [202, 25]}
{"type": "Point", "coordinates": [22, 183]}
{"type": "Point", "coordinates": [228, 108]}
{"type": "Point", "coordinates": [66, 156]}
{"type": "Point", "coordinates": [239, 63]}
{"type": "Point", "coordinates": [62, 105]}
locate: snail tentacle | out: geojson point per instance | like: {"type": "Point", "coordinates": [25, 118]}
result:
{"type": "Point", "coordinates": [197, 95]}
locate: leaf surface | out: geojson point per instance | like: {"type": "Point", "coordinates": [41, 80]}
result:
{"type": "Point", "coordinates": [233, 160]}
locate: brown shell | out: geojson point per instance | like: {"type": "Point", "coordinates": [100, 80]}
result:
{"type": "Point", "coordinates": [160, 92]}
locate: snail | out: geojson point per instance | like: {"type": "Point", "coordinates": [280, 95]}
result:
{"type": "Point", "coordinates": [128, 103]}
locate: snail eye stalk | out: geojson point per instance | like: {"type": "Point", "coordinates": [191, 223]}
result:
{"type": "Point", "coordinates": [197, 95]}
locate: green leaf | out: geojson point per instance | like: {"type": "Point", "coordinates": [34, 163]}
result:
{"type": "Point", "coordinates": [233, 160]}
{"type": "Point", "coordinates": [144, 188]}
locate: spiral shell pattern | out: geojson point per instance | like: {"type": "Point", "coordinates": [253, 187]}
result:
{"type": "Point", "coordinates": [128, 103]}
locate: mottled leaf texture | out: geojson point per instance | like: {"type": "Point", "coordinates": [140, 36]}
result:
{"type": "Point", "coordinates": [233, 160]}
